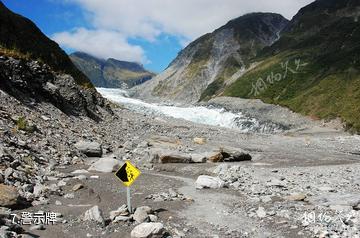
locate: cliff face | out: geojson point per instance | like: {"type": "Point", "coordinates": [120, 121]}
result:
{"type": "Point", "coordinates": [110, 73]}
{"type": "Point", "coordinates": [21, 35]}
{"type": "Point", "coordinates": [32, 82]}
{"type": "Point", "coordinates": [214, 60]}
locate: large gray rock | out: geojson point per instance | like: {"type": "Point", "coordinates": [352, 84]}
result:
{"type": "Point", "coordinates": [106, 165]}
{"type": "Point", "coordinates": [9, 196]}
{"type": "Point", "coordinates": [175, 158]}
{"type": "Point", "coordinates": [235, 154]}
{"type": "Point", "coordinates": [141, 214]}
{"type": "Point", "coordinates": [229, 154]}
{"type": "Point", "coordinates": [148, 230]}
{"type": "Point", "coordinates": [199, 158]}
{"type": "Point", "coordinates": [94, 214]}
{"type": "Point", "coordinates": [91, 149]}
{"type": "Point", "coordinates": [205, 181]}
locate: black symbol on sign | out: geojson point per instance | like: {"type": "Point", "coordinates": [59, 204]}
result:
{"type": "Point", "coordinates": [121, 173]}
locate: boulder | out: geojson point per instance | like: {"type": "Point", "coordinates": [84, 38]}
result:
{"type": "Point", "coordinates": [235, 155]}
{"type": "Point", "coordinates": [148, 230]}
{"type": "Point", "coordinates": [229, 154]}
{"type": "Point", "coordinates": [106, 165]}
{"type": "Point", "coordinates": [175, 158]}
{"type": "Point", "coordinates": [147, 209]}
{"type": "Point", "coordinates": [198, 158]}
{"type": "Point", "coordinates": [94, 214]}
{"type": "Point", "coordinates": [91, 149]}
{"type": "Point", "coordinates": [296, 197]}
{"type": "Point", "coordinates": [141, 215]}
{"type": "Point", "coordinates": [121, 211]}
{"type": "Point", "coordinates": [218, 157]}
{"type": "Point", "coordinates": [204, 181]}
{"type": "Point", "coordinates": [9, 196]}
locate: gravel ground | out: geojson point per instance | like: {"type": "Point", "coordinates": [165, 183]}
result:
{"type": "Point", "coordinates": [291, 176]}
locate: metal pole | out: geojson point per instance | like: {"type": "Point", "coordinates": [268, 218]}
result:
{"type": "Point", "coordinates": [128, 199]}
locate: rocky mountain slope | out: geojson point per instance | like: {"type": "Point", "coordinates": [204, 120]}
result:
{"type": "Point", "coordinates": [310, 64]}
{"type": "Point", "coordinates": [24, 49]}
{"type": "Point", "coordinates": [110, 73]}
{"type": "Point", "coordinates": [32, 82]}
{"type": "Point", "coordinates": [20, 35]}
{"type": "Point", "coordinates": [215, 59]}
{"type": "Point", "coordinates": [314, 67]}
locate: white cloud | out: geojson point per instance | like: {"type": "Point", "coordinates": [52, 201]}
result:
{"type": "Point", "coordinates": [119, 20]}
{"type": "Point", "coordinates": [187, 18]}
{"type": "Point", "coordinates": [101, 43]}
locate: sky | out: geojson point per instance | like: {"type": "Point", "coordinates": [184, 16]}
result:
{"type": "Point", "coordinates": [151, 32]}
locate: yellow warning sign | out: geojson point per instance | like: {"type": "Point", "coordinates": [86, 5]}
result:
{"type": "Point", "coordinates": [128, 173]}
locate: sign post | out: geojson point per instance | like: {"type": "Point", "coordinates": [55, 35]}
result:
{"type": "Point", "coordinates": [128, 194]}
{"type": "Point", "coordinates": [127, 174]}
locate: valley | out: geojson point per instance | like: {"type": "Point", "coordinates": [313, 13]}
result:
{"type": "Point", "coordinates": [280, 178]}
{"type": "Point", "coordinates": [252, 131]}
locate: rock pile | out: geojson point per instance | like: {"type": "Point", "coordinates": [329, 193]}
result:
{"type": "Point", "coordinates": [323, 202]}
{"type": "Point", "coordinates": [171, 195]}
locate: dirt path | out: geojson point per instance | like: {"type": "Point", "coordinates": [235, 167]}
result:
{"type": "Point", "coordinates": [212, 211]}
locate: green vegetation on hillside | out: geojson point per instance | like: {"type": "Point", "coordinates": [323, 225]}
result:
{"type": "Point", "coordinates": [325, 36]}
{"type": "Point", "coordinates": [231, 66]}
{"type": "Point", "coordinates": [310, 90]}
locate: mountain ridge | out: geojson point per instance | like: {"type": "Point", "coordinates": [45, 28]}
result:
{"type": "Point", "coordinates": [203, 63]}
{"type": "Point", "coordinates": [322, 42]}
{"type": "Point", "coordinates": [325, 35]}
{"type": "Point", "coordinates": [110, 73]}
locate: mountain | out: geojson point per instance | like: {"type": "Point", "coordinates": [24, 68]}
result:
{"type": "Point", "coordinates": [34, 69]}
{"type": "Point", "coordinates": [110, 73]}
{"type": "Point", "coordinates": [215, 59]}
{"type": "Point", "coordinates": [19, 34]}
{"type": "Point", "coordinates": [309, 64]}
{"type": "Point", "coordinates": [314, 67]}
